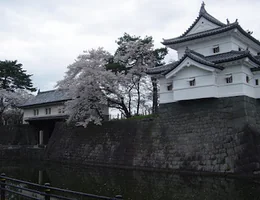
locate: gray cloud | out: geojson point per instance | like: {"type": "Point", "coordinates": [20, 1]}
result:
{"type": "Point", "coordinates": [46, 36]}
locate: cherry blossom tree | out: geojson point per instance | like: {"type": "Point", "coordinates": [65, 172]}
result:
{"type": "Point", "coordinates": [91, 87]}
{"type": "Point", "coordinates": [10, 102]}
{"type": "Point", "coordinates": [97, 78]}
{"type": "Point", "coordinates": [137, 55]}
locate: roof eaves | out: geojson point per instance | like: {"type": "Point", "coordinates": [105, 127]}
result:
{"type": "Point", "coordinates": [175, 64]}
{"type": "Point", "coordinates": [252, 58]}
{"type": "Point", "coordinates": [204, 61]}
{"type": "Point", "coordinates": [241, 55]}
{"type": "Point", "coordinates": [255, 69]}
{"type": "Point", "coordinates": [159, 70]}
{"type": "Point", "coordinates": [43, 104]}
{"type": "Point", "coordinates": [247, 34]}
{"type": "Point", "coordinates": [200, 34]}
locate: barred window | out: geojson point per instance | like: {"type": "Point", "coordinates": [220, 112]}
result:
{"type": "Point", "coordinates": [169, 86]}
{"type": "Point", "coordinates": [229, 78]}
{"type": "Point", "coordinates": [216, 49]}
{"type": "Point", "coordinates": [192, 81]}
{"type": "Point", "coordinates": [36, 112]}
{"type": "Point", "coordinates": [47, 111]}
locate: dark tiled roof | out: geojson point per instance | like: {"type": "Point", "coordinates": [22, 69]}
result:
{"type": "Point", "coordinates": [206, 15]}
{"type": "Point", "coordinates": [224, 57]}
{"type": "Point", "coordinates": [255, 69]}
{"type": "Point", "coordinates": [257, 57]}
{"type": "Point", "coordinates": [47, 97]}
{"type": "Point", "coordinates": [232, 55]}
{"type": "Point", "coordinates": [212, 60]}
{"type": "Point", "coordinates": [200, 34]}
{"type": "Point", "coordinates": [196, 57]}
{"type": "Point", "coordinates": [158, 70]}
{"type": "Point", "coordinates": [209, 33]}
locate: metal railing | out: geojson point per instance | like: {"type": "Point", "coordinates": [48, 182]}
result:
{"type": "Point", "coordinates": [42, 192]}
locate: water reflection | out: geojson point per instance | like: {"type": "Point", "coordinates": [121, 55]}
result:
{"type": "Point", "coordinates": [134, 185]}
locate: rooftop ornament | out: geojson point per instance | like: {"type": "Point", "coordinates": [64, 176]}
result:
{"type": "Point", "coordinates": [202, 8]}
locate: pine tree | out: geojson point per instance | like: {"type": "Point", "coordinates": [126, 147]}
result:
{"type": "Point", "coordinates": [14, 82]}
{"type": "Point", "coordinates": [13, 76]}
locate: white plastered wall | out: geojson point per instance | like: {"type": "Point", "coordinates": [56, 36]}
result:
{"type": "Point", "coordinates": [211, 84]}
{"type": "Point", "coordinates": [29, 112]}
{"type": "Point", "coordinates": [206, 47]}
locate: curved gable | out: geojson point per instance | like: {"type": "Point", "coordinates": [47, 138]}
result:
{"type": "Point", "coordinates": [188, 62]}
{"type": "Point", "coordinates": [202, 25]}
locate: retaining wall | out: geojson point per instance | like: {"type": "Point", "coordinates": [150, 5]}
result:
{"type": "Point", "coordinates": [214, 135]}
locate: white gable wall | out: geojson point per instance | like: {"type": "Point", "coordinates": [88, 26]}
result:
{"type": "Point", "coordinates": [205, 85]}
{"type": "Point", "coordinates": [203, 77]}
{"type": "Point", "coordinates": [202, 25]}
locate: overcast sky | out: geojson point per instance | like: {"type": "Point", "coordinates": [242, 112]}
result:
{"type": "Point", "coordinates": [47, 35]}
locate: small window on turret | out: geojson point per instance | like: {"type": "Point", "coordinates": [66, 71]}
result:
{"type": "Point", "coordinates": [247, 78]}
{"type": "Point", "coordinates": [256, 82]}
{"type": "Point", "coordinates": [169, 86]}
{"type": "Point", "coordinates": [192, 81]}
{"type": "Point", "coordinates": [35, 112]}
{"type": "Point", "coordinates": [216, 49]}
{"type": "Point", "coordinates": [229, 78]}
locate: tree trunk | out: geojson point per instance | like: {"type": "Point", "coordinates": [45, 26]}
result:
{"type": "Point", "coordinates": [126, 111]}
{"type": "Point", "coordinates": [129, 101]}
{"type": "Point", "coordinates": [2, 108]}
{"type": "Point", "coordinates": [120, 105]}
{"type": "Point", "coordinates": [155, 95]}
{"type": "Point", "coordinates": [138, 98]}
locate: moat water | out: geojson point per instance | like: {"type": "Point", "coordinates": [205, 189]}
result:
{"type": "Point", "coordinates": [135, 185]}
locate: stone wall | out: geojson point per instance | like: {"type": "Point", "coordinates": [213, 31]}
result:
{"type": "Point", "coordinates": [214, 135]}
{"type": "Point", "coordinates": [18, 135]}
{"type": "Point", "coordinates": [21, 153]}
{"type": "Point", "coordinates": [17, 143]}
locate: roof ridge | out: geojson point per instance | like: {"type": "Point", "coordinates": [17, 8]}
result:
{"type": "Point", "coordinates": [47, 91]}
{"type": "Point", "coordinates": [202, 8]}
{"type": "Point", "coordinates": [54, 90]}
